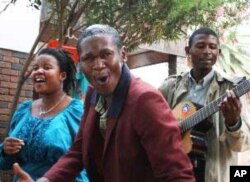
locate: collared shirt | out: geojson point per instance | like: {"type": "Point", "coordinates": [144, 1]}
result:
{"type": "Point", "coordinates": [100, 108]}
{"type": "Point", "coordinates": [198, 91]}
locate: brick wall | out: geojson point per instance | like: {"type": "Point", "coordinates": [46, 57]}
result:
{"type": "Point", "coordinates": [11, 64]}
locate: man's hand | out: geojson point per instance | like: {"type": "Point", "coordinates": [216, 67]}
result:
{"type": "Point", "coordinates": [21, 174]}
{"type": "Point", "coordinates": [25, 177]}
{"type": "Point", "coordinates": [231, 108]}
{"type": "Point", "coordinates": [12, 145]}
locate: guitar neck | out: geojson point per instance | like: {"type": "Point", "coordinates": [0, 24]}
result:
{"type": "Point", "coordinates": [212, 107]}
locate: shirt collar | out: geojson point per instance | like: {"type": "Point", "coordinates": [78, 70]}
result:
{"type": "Point", "coordinates": [100, 105]}
{"type": "Point", "coordinates": [206, 80]}
{"type": "Point", "coordinates": [119, 95]}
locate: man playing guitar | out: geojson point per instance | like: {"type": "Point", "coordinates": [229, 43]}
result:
{"type": "Point", "coordinates": [224, 133]}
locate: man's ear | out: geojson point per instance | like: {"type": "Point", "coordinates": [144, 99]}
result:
{"type": "Point", "coordinates": [187, 50]}
{"type": "Point", "coordinates": [219, 51]}
{"type": "Point", "coordinates": [124, 54]}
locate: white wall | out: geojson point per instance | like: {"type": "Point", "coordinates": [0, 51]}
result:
{"type": "Point", "coordinates": [157, 73]}
{"type": "Point", "coordinates": [19, 26]}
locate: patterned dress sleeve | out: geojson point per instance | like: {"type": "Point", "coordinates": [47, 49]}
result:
{"type": "Point", "coordinates": [6, 161]}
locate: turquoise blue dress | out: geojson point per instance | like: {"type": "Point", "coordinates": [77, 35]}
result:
{"type": "Point", "coordinates": [46, 139]}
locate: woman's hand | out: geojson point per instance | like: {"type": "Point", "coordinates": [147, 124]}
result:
{"type": "Point", "coordinates": [12, 145]}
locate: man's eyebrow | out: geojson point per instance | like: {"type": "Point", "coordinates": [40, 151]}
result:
{"type": "Point", "coordinates": [200, 42]}
{"type": "Point", "coordinates": [88, 54]}
{"type": "Point", "coordinates": [106, 50]}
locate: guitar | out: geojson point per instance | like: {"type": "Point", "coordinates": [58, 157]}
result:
{"type": "Point", "coordinates": [195, 146]}
{"type": "Point", "coordinates": [186, 113]}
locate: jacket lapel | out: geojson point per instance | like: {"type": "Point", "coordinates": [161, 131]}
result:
{"type": "Point", "coordinates": [118, 100]}
{"type": "Point", "coordinates": [180, 90]}
{"type": "Point", "coordinates": [214, 90]}
{"type": "Point", "coordinates": [111, 123]}
{"type": "Point", "coordinates": [89, 131]}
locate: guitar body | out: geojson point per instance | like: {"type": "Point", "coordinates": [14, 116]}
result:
{"type": "Point", "coordinates": [193, 142]}
{"type": "Point", "coordinates": [193, 138]}
{"type": "Point", "coordinates": [181, 112]}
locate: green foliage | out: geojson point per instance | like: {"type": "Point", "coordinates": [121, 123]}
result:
{"type": "Point", "coordinates": [233, 60]}
{"type": "Point", "coordinates": [144, 21]}
{"type": "Point", "coordinates": [149, 21]}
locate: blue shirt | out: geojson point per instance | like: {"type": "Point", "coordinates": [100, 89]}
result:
{"type": "Point", "coordinates": [198, 91]}
{"type": "Point", "coordinates": [46, 139]}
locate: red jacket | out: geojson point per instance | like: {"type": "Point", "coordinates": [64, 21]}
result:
{"type": "Point", "coordinates": [142, 142]}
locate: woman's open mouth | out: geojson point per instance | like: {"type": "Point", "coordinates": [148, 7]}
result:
{"type": "Point", "coordinates": [39, 79]}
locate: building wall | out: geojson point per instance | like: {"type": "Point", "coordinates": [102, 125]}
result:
{"type": "Point", "coordinates": [11, 64]}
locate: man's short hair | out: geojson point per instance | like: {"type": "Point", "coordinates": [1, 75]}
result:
{"type": "Point", "coordinates": [203, 30]}
{"type": "Point", "coordinates": [100, 29]}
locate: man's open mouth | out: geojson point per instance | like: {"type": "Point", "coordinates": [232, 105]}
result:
{"type": "Point", "coordinates": [102, 79]}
